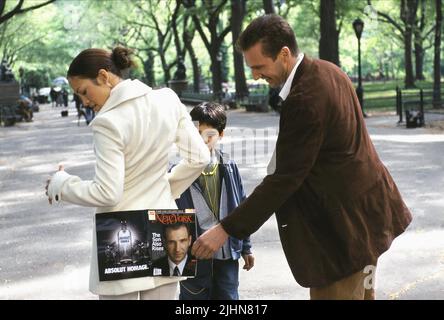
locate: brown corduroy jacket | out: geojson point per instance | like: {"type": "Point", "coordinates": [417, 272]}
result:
{"type": "Point", "coordinates": [337, 207]}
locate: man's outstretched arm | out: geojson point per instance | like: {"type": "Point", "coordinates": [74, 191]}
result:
{"type": "Point", "coordinates": [298, 145]}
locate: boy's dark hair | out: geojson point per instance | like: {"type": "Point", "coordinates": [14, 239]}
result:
{"type": "Point", "coordinates": [210, 113]}
{"type": "Point", "coordinates": [272, 31]}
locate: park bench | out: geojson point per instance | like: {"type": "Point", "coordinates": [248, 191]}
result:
{"type": "Point", "coordinates": [195, 97]}
{"type": "Point", "coordinates": [255, 102]}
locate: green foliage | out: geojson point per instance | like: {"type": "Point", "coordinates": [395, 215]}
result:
{"type": "Point", "coordinates": [45, 40]}
{"type": "Point", "coordinates": [36, 78]}
{"type": "Point", "coordinates": [381, 96]}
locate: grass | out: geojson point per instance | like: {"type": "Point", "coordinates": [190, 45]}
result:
{"type": "Point", "coordinates": [381, 96]}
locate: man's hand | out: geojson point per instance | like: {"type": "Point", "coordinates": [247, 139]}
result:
{"type": "Point", "coordinates": [209, 242]}
{"type": "Point", "coordinates": [249, 261]}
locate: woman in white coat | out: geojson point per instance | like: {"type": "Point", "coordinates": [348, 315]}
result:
{"type": "Point", "coordinates": [133, 132]}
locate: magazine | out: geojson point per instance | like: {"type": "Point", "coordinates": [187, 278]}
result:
{"type": "Point", "coordinates": [143, 243]}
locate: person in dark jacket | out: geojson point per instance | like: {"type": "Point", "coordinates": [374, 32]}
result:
{"type": "Point", "coordinates": [214, 194]}
{"type": "Point", "coordinates": [337, 207]}
{"type": "Point", "coordinates": [65, 97]}
{"type": "Point", "coordinates": [53, 96]}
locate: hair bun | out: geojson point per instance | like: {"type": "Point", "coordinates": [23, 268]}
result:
{"type": "Point", "coordinates": [122, 58]}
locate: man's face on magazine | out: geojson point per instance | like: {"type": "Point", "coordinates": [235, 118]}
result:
{"type": "Point", "coordinates": [178, 242]}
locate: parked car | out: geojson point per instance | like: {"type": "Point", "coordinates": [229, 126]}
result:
{"type": "Point", "coordinates": [43, 95]}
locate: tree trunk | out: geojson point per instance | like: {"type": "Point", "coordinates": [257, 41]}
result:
{"type": "Point", "coordinates": [408, 10]}
{"type": "Point", "coordinates": [238, 14]}
{"type": "Point", "coordinates": [187, 40]}
{"type": "Point", "coordinates": [175, 29]}
{"type": "Point", "coordinates": [419, 59]}
{"type": "Point", "coordinates": [165, 68]}
{"type": "Point", "coordinates": [437, 60]}
{"type": "Point", "coordinates": [148, 67]}
{"type": "Point", "coordinates": [408, 14]}
{"type": "Point", "coordinates": [329, 42]}
{"type": "Point", "coordinates": [269, 6]}
{"type": "Point", "coordinates": [216, 71]}
{"type": "Point", "coordinates": [419, 42]}
{"type": "Point", "coordinates": [225, 65]}
{"type": "Point", "coordinates": [215, 42]}
{"type": "Point", "coordinates": [188, 35]}
{"type": "Point", "coordinates": [409, 79]}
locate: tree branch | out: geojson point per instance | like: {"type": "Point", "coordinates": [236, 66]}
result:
{"type": "Point", "coordinates": [171, 65]}
{"type": "Point", "coordinates": [388, 19]}
{"type": "Point", "coordinates": [201, 32]}
{"type": "Point", "coordinates": [284, 13]}
{"type": "Point", "coordinates": [18, 9]}
{"type": "Point", "coordinates": [224, 33]}
{"type": "Point", "coordinates": [167, 41]}
{"type": "Point", "coordinates": [2, 6]}
{"type": "Point", "coordinates": [428, 47]}
{"type": "Point", "coordinates": [430, 31]}
{"type": "Point", "coordinates": [36, 6]}
{"type": "Point", "coordinates": [174, 26]}
{"type": "Point", "coordinates": [218, 9]}
{"type": "Point", "coordinates": [11, 13]}
{"type": "Point", "coordinates": [214, 14]}
{"type": "Point", "coordinates": [340, 25]}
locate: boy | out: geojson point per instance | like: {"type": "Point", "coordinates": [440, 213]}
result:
{"type": "Point", "coordinates": [214, 194]}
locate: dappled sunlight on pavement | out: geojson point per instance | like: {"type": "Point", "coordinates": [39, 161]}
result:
{"type": "Point", "coordinates": [46, 249]}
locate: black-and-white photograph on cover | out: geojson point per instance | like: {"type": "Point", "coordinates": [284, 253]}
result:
{"type": "Point", "coordinates": [132, 244]}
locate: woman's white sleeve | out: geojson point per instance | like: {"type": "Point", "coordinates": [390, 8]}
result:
{"type": "Point", "coordinates": [106, 189]}
{"type": "Point", "coordinates": [193, 151]}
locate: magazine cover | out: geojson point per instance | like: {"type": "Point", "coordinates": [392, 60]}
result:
{"type": "Point", "coordinates": [132, 244]}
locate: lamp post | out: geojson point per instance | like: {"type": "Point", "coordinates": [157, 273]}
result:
{"type": "Point", "coordinates": [21, 73]}
{"type": "Point", "coordinates": [358, 26]}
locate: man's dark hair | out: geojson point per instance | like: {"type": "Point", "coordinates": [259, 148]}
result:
{"type": "Point", "coordinates": [273, 32]}
{"type": "Point", "coordinates": [176, 226]}
{"type": "Point", "coordinates": [210, 113]}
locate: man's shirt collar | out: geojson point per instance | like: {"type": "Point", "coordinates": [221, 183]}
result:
{"type": "Point", "coordinates": [181, 265]}
{"type": "Point", "coordinates": [285, 91]}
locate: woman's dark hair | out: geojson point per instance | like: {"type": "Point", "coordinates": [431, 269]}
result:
{"type": "Point", "coordinates": [272, 31]}
{"type": "Point", "coordinates": [88, 63]}
{"type": "Point", "coordinates": [210, 113]}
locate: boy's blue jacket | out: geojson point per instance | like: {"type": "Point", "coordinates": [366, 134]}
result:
{"type": "Point", "coordinates": [235, 195]}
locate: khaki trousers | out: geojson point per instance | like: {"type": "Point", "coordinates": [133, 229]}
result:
{"type": "Point", "coordinates": [358, 286]}
{"type": "Point", "coordinates": [165, 292]}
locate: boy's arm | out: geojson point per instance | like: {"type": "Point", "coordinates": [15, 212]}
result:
{"type": "Point", "coordinates": [185, 201]}
{"type": "Point", "coordinates": [246, 246]}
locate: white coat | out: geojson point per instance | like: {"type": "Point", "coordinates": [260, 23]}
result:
{"type": "Point", "coordinates": [133, 134]}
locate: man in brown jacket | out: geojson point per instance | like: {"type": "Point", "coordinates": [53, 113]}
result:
{"type": "Point", "coordinates": [337, 207]}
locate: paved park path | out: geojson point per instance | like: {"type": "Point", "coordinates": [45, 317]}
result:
{"type": "Point", "coordinates": [45, 250]}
